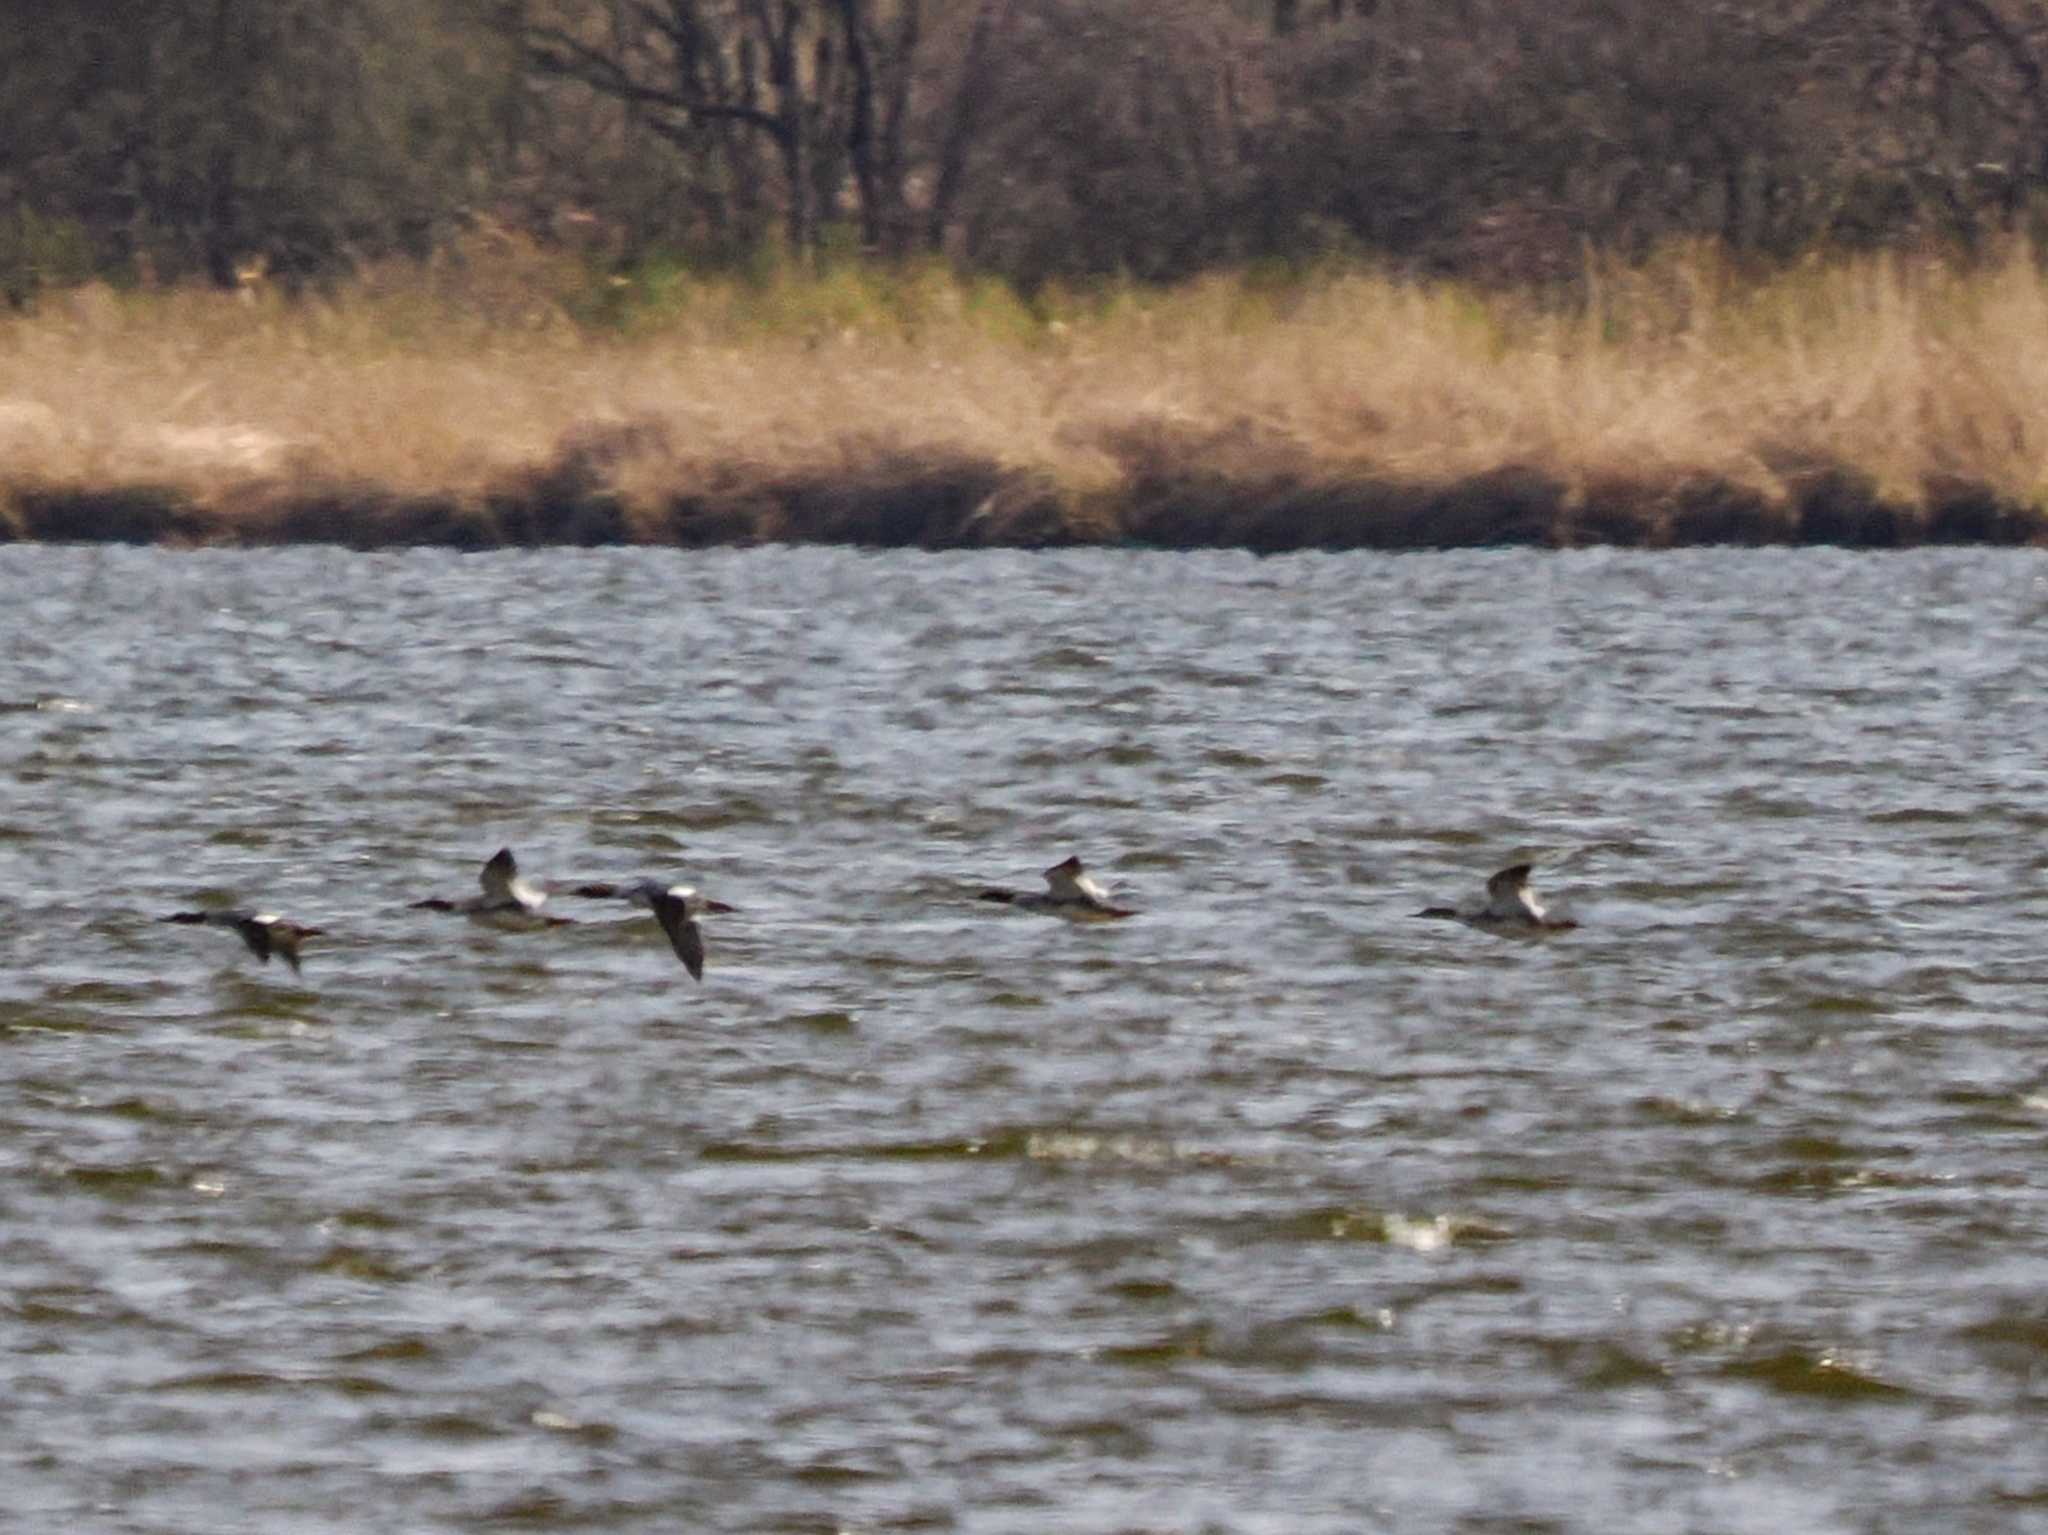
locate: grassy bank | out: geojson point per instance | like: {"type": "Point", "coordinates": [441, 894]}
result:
{"type": "Point", "coordinates": [513, 399]}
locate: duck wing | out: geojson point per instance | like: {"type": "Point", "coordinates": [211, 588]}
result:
{"type": "Point", "coordinates": [1069, 881]}
{"type": "Point", "coordinates": [1510, 880]}
{"type": "Point", "coordinates": [256, 932]}
{"type": "Point", "coordinates": [1506, 887]}
{"type": "Point", "coordinates": [498, 875]}
{"type": "Point", "coordinates": [672, 911]}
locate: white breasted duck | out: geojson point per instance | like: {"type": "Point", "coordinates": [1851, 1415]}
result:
{"type": "Point", "coordinates": [265, 932]}
{"type": "Point", "coordinates": [505, 899]}
{"type": "Point", "coordinates": [1071, 894]}
{"type": "Point", "coordinates": [1510, 907]}
{"type": "Point", "coordinates": [675, 907]}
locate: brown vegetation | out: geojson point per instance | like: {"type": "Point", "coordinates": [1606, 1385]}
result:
{"type": "Point", "coordinates": [1877, 401]}
{"type": "Point", "coordinates": [1270, 273]}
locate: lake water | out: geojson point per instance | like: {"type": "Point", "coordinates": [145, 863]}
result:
{"type": "Point", "coordinates": [1270, 1210]}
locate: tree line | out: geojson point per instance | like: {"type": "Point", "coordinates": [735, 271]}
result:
{"type": "Point", "coordinates": [1035, 139]}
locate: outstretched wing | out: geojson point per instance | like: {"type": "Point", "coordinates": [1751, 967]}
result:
{"type": "Point", "coordinates": [1509, 883]}
{"type": "Point", "coordinates": [498, 874]}
{"type": "Point", "coordinates": [256, 934]}
{"type": "Point", "coordinates": [673, 912]}
{"type": "Point", "coordinates": [1068, 879]}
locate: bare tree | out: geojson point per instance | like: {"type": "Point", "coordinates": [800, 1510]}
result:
{"type": "Point", "coordinates": [1090, 136]}
{"type": "Point", "coordinates": [1949, 100]}
{"type": "Point", "coordinates": [820, 85]}
{"type": "Point", "coordinates": [188, 138]}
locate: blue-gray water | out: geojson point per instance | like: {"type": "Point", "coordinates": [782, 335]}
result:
{"type": "Point", "coordinates": [1271, 1210]}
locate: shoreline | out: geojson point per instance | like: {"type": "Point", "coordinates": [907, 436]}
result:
{"type": "Point", "coordinates": [1872, 403]}
{"type": "Point", "coordinates": [956, 502]}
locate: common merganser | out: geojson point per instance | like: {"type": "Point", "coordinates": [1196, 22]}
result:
{"type": "Point", "coordinates": [265, 932]}
{"type": "Point", "coordinates": [1510, 907]}
{"type": "Point", "coordinates": [1072, 895]}
{"type": "Point", "coordinates": [506, 899]}
{"type": "Point", "coordinates": [675, 907]}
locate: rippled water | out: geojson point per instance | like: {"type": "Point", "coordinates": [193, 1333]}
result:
{"type": "Point", "coordinates": [1270, 1210]}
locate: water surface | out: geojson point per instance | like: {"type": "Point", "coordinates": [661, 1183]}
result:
{"type": "Point", "coordinates": [1272, 1209]}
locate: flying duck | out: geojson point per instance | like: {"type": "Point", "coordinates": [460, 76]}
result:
{"type": "Point", "coordinates": [505, 900]}
{"type": "Point", "coordinates": [265, 932]}
{"type": "Point", "coordinates": [675, 907]}
{"type": "Point", "coordinates": [1510, 907]}
{"type": "Point", "coordinates": [1070, 894]}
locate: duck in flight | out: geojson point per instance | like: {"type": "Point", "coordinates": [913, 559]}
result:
{"type": "Point", "coordinates": [265, 932]}
{"type": "Point", "coordinates": [675, 907]}
{"type": "Point", "coordinates": [1070, 894]}
{"type": "Point", "coordinates": [1510, 907]}
{"type": "Point", "coordinates": [505, 900]}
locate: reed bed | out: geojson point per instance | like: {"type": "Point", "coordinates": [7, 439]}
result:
{"type": "Point", "coordinates": [511, 398]}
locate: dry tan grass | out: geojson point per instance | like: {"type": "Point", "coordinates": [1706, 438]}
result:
{"type": "Point", "coordinates": [1344, 408]}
